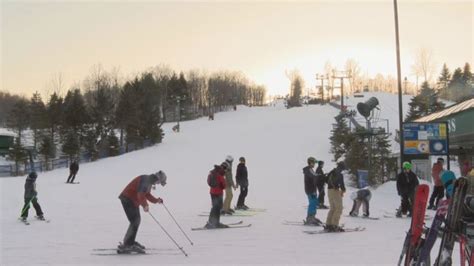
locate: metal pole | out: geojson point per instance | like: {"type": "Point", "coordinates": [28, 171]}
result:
{"type": "Point", "coordinates": [399, 81]}
{"type": "Point", "coordinates": [172, 239]}
{"type": "Point", "coordinates": [177, 224]}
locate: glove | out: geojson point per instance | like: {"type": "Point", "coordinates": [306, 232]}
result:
{"type": "Point", "coordinates": [160, 201]}
{"type": "Point", "coordinates": [145, 208]}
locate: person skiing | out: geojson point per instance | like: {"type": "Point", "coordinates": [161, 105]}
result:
{"type": "Point", "coordinates": [360, 197]}
{"type": "Point", "coordinates": [310, 188]}
{"type": "Point", "coordinates": [241, 177]}
{"type": "Point", "coordinates": [321, 184]}
{"type": "Point", "coordinates": [136, 194]}
{"type": "Point", "coordinates": [448, 178]}
{"type": "Point", "coordinates": [73, 169]}
{"type": "Point", "coordinates": [217, 184]}
{"type": "Point", "coordinates": [407, 182]}
{"type": "Point", "coordinates": [31, 196]}
{"type": "Point", "coordinates": [229, 180]}
{"type": "Point", "coordinates": [336, 190]}
{"type": "Point", "coordinates": [438, 189]}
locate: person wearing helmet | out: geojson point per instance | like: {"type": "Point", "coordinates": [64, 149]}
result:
{"type": "Point", "coordinates": [241, 177]}
{"type": "Point", "coordinates": [229, 180]}
{"type": "Point", "coordinates": [136, 194]}
{"type": "Point", "coordinates": [321, 184]}
{"type": "Point", "coordinates": [336, 190]}
{"type": "Point", "coordinates": [438, 189]}
{"type": "Point", "coordinates": [360, 197]}
{"type": "Point", "coordinates": [310, 188]}
{"type": "Point", "coordinates": [217, 184]}
{"type": "Point", "coordinates": [31, 196]}
{"type": "Point", "coordinates": [407, 182]}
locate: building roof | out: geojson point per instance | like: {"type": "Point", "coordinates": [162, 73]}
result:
{"type": "Point", "coordinates": [462, 106]}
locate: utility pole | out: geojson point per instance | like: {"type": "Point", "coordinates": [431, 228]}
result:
{"type": "Point", "coordinates": [399, 78]}
{"type": "Point", "coordinates": [341, 75]}
{"type": "Point", "coordinates": [322, 78]}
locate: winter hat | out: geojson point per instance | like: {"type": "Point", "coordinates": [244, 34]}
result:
{"type": "Point", "coordinates": [320, 162]}
{"type": "Point", "coordinates": [242, 159]}
{"type": "Point", "coordinates": [161, 177]}
{"type": "Point", "coordinates": [406, 165]}
{"type": "Point", "coordinates": [229, 158]}
{"type": "Point", "coordinates": [33, 175]}
{"type": "Point", "coordinates": [225, 165]}
{"type": "Point", "coordinates": [311, 160]}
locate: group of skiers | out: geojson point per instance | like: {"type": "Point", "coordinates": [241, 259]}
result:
{"type": "Point", "coordinates": [221, 179]}
{"type": "Point", "coordinates": [314, 183]}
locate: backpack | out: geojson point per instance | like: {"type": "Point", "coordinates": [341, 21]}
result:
{"type": "Point", "coordinates": [331, 176]}
{"type": "Point", "coordinates": [212, 179]}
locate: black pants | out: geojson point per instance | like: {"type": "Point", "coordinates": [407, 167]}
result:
{"type": "Point", "coordinates": [321, 193]}
{"type": "Point", "coordinates": [26, 207]}
{"type": "Point", "coordinates": [356, 206]}
{"type": "Point", "coordinates": [438, 194]}
{"type": "Point", "coordinates": [215, 215]}
{"type": "Point", "coordinates": [244, 190]}
{"type": "Point", "coordinates": [133, 215]}
{"type": "Point", "coordinates": [72, 176]}
{"type": "Point", "coordinates": [407, 203]}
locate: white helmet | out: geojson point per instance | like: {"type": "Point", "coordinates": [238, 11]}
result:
{"type": "Point", "coordinates": [229, 158]}
{"type": "Point", "coordinates": [161, 177]}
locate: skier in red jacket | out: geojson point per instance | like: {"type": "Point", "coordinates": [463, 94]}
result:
{"type": "Point", "coordinates": [137, 193]}
{"type": "Point", "coordinates": [217, 185]}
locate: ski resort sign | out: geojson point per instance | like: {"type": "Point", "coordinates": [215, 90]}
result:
{"type": "Point", "coordinates": [425, 138]}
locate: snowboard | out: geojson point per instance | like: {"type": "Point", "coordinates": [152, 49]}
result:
{"type": "Point", "coordinates": [453, 220]}
{"type": "Point", "coordinates": [416, 228]}
{"type": "Point", "coordinates": [430, 240]}
{"type": "Point", "coordinates": [346, 230]}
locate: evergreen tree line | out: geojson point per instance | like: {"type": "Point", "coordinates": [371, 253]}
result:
{"type": "Point", "coordinates": [458, 86]}
{"type": "Point", "coordinates": [361, 149]}
{"type": "Point", "coordinates": [105, 115]}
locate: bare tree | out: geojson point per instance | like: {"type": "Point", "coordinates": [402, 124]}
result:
{"type": "Point", "coordinates": [328, 70]}
{"type": "Point", "coordinates": [55, 85]}
{"type": "Point", "coordinates": [353, 70]}
{"type": "Point", "coordinates": [424, 64]}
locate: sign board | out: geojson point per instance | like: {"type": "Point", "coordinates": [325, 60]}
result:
{"type": "Point", "coordinates": [425, 138]}
{"type": "Point", "coordinates": [422, 169]}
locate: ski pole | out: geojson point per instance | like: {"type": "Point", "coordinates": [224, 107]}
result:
{"type": "Point", "coordinates": [164, 230]}
{"type": "Point", "coordinates": [26, 206]}
{"type": "Point", "coordinates": [178, 224]}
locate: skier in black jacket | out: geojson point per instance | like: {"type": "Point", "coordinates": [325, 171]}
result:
{"type": "Point", "coordinates": [310, 181]}
{"type": "Point", "coordinates": [407, 182]}
{"type": "Point", "coordinates": [242, 180]}
{"type": "Point", "coordinates": [321, 184]}
{"type": "Point", "coordinates": [31, 196]}
{"type": "Point", "coordinates": [73, 169]}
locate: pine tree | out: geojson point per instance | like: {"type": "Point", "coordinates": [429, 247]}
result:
{"type": "Point", "coordinates": [47, 149]}
{"type": "Point", "coordinates": [37, 117]}
{"type": "Point", "coordinates": [18, 154]}
{"type": "Point", "coordinates": [379, 158]}
{"type": "Point", "coordinates": [340, 138]}
{"type": "Point", "coordinates": [19, 118]}
{"type": "Point", "coordinates": [71, 144]}
{"type": "Point", "coordinates": [54, 115]}
{"type": "Point", "coordinates": [296, 91]}
{"type": "Point", "coordinates": [443, 82]}
{"type": "Point", "coordinates": [356, 157]}
{"type": "Point", "coordinates": [467, 74]}
{"type": "Point", "coordinates": [426, 102]}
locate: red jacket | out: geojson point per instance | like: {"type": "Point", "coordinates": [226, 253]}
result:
{"type": "Point", "coordinates": [436, 174]}
{"type": "Point", "coordinates": [219, 190]}
{"type": "Point", "coordinates": [138, 191]}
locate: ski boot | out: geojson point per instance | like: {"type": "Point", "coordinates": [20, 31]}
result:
{"type": "Point", "coordinates": [128, 249]}
{"type": "Point", "coordinates": [221, 225]}
{"type": "Point", "coordinates": [322, 206]}
{"type": "Point", "coordinates": [210, 226]}
{"type": "Point", "coordinates": [40, 217]}
{"type": "Point", "coordinates": [139, 245]}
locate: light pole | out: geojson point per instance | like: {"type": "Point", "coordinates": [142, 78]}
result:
{"type": "Point", "coordinates": [399, 79]}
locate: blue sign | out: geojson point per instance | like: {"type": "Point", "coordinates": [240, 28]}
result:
{"type": "Point", "coordinates": [425, 138]}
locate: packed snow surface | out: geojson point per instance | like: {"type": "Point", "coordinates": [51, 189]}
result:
{"type": "Point", "coordinates": [276, 143]}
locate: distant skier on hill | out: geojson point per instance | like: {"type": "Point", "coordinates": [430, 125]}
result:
{"type": "Point", "coordinates": [241, 177]}
{"type": "Point", "coordinates": [336, 190]}
{"type": "Point", "coordinates": [407, 182]}
{"type": "Point", "coordinates": [31, 196]}
{"type": "Point", "coordinates": [438, 189]}
{"type": "Point", "coordinates": [321, 184]}
{"type": "Point", "coordinates": [310, 182]}
{"type": "Point", "coordinates": [216, 182]}
{"type": "Point", "coordinates": [360, 197]}
{"type": "Point", "coordinates": [137, 193]}
{"type": "Point", "coordinates": [73, 169]}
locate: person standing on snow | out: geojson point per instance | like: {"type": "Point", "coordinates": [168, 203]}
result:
{"type": "Point", "coordinates": [438, 189]}
{"type": "Point", "coordinates": [448, 178]}
{"type": "Point", "coordinates": [229, 180]}
{"type": "Point", "coordinates": [336, 190]}
{"type": "Point", "coordinates": [360, 197]}
{"type": "Point", "coordinates": [73, 169]}
{"type": "Point", "coordinates": [31, 196]}
{"type": "Point", "coordinates": [321, 184]}
{"type": "Point", "coordinates": [217, 184]}
{"type": "Point", "coordinates": [310, 188]}
{"type": "Point", "coordinates": [137, 193]}
{"type": "Point", "coordinates": [241, 177]}
{"type": "Point", "coordinates": [407, 182]}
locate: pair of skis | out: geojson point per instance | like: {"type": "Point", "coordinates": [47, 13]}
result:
{"type": "Point", "coordinates": [238, 224]}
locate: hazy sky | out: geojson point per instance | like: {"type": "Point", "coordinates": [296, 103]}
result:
{"type": "Point", "coordinates": [41, 39]}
